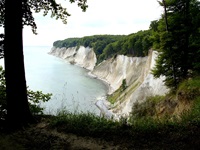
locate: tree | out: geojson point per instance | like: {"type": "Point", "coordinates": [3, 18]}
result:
{"type": "Point", "coordinates": [178, 31]}
{"type": "Point", "coordinates": [17, 102]}
{"type": "Point", "coordinates": [14, 15]}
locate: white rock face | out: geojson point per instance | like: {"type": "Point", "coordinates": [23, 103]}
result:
{"type": "Point", "coordinates": [83, 57]}
{"type": "Point", "coordinates": [137, 73]}
{"type": "Point", "coordinates": [114, 70]}
{"type": "Point", "coordinates": [148, 87]}
{"type": "Point", "coordinates": [135, 70]}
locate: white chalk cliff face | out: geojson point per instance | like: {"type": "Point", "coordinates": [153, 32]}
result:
{"type": "Point", "coordinates": [114, 70]}
{"type": "Point", "coordinates": [83, 57]}
{"type": "Point", "coordinates": [135, 70]}
{"type": "Point", "coordinates": [137, 73]}
{"type": "Point", "coordinates": [146, 86]}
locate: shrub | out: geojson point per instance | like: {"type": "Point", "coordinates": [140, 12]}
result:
{"type": "Point", "coordinates": [190, 89]}
{"type": "Point", "coordinates": [146, 108]}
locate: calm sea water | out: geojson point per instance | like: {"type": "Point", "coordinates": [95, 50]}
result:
{"type": "Point", "coordinates": [72, 88]}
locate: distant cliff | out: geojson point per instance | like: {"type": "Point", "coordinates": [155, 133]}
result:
{"type": "Point", "coordinates": [81, 56]}
{"type": "Point", "coordinates": [135, 71]}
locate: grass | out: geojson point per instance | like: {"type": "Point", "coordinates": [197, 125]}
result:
{"type": "Point", "coordinates": [86, 124]}
{"type": "Point", "coordinates": [142, 131]}
{"type": "Point", "coordinates": [146, 108]}
{"type": "Point", "coordinates": [117, 95]}
{"type": "Point", "coordinates": [140, 134]}
{"type": "Point", "coordinates": [113, 97]}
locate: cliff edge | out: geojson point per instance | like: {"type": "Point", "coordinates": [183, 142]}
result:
{"type": "Point", "coordinates": [135, 72]}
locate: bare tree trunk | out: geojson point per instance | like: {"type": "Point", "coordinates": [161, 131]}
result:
{"type": "Point", "coordinates": [18, 112]}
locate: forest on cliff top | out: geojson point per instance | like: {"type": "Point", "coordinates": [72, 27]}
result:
{"type": "Point", "coordinates": [107, 46]}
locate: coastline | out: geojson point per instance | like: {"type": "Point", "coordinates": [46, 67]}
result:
{"type": "Point", "coordinates": [110, 88]}
{"type": "Point", "coordinates": [101, 103]}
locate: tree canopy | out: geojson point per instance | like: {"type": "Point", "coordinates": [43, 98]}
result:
{"type": "Point", "coordinates": [176, 36]}
{"type": "Point", "coordinates": [106, 46]}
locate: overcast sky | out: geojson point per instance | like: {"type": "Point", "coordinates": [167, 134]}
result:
{"type": "Point", "coordinates": [101, 17]}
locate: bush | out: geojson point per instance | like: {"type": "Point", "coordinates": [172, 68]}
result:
{"type": "Point", "coordinates": [189, 89]}
{"type": "Point", "coordinates": [146, 108]}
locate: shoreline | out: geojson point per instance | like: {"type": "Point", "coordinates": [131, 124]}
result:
{"type": "Point", "coordinates": [110, 88]}
{"type": "Point", "coordinates": [101, 103]}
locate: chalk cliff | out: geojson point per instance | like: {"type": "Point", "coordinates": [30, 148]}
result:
{"type": "Point", "coordinates": [81, 56]}
{"type": "Point", "coordinates": [136, 71]}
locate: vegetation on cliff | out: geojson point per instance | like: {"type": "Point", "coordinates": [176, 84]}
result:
{"type": "Point", "coordinates": [107, 46]}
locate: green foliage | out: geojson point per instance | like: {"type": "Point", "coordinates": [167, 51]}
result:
{"type": "Point", "coordinates": [86, 124]}
{"type": "Point", "coordinates": [81, 3]}
{"type": "Point", "coordinates": [145, 130]}
{"type": "Point", "coordinates": [34, 98]}
{"type": "Point", "coordinates": [190, 88]}
{"type": "Point", "coordinates": [114, 96]}
{"type": "Point", "coordinates": [124, 85]}
{"type": "Point", "coordinates": [146, 109]}
{"type": "Point", "coordinates": [136, 44]}
{"type": "Point", "coordinates": [107, 46]}
{"type": "Point", "coordinates": [190, 91]}
{"type": "Point", "coordinates": [30, 6]}
{"type": "Point", "coordinates": [178, 41]}
{"type": "Point", "coordinates": [194, 114]}
{"type": "Point", "coordinates": [97, 42]}
{"type": "Point", "coordinates": [187, 93]}
{"type": "Point", "coordinates": [70, 42]}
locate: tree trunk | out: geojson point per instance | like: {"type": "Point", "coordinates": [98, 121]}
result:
{"type": "Point", "coordinates": [166, 22]}
{"type": "Point", "coordinates": [172, 57]}
{"type": "Point", "coordinates": [187, 35]}
{"type": "Point", "coordinates": [18, 112]}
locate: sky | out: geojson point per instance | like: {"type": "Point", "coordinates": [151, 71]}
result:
{"type": "Point", "coordinates": [101, 17]}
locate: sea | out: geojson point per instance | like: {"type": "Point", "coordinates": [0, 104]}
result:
{"type": "Point", "coordinates": [72, 88]}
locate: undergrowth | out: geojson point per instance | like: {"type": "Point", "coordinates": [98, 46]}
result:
{"type": "Point", "coordinates": [143, 129]}
{"type": "Point", "coordinates": [86, 124]}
